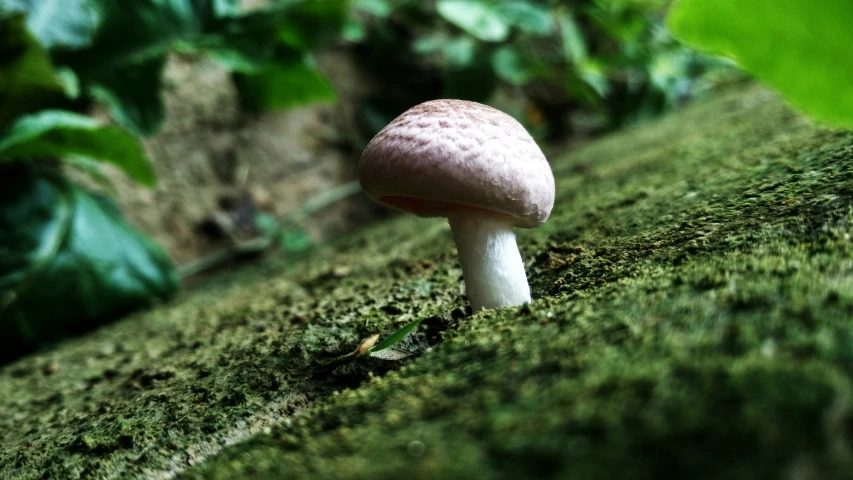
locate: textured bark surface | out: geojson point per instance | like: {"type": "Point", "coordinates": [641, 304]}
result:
{"type": "Point", "coordinates": [692, 319]}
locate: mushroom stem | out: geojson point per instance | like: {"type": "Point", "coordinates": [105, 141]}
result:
{"type": "Point", "coordinates": [492, 266]}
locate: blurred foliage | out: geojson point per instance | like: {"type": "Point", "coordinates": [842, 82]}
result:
{"type": "Point", "coordinates": [68, 260]}
{"type": "Point", "coordinates": [54, 133]}
{"type": "Point", "coordinates": [116, 52]}
{"type": "Point", "coordinates": [607, 62]}
{"type": "Point", "coordinates": [800, 48]}
{"type": "Point", "coordinates": [586, 65]}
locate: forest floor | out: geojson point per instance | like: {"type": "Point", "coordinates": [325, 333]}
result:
{"type": "Point", "coordinates": [693, 319]}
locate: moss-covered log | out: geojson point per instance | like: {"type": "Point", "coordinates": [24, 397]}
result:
{"type": "Point", "coordinates": [693, 319]}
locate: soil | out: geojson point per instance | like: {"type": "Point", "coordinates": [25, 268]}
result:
{"type": "Point", "coordinates": [692, 319]}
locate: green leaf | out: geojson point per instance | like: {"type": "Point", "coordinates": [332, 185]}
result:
{"type": "Point", "coordinates": [284, 84]}
{"type": "Point", "coordinates": [133, 95]}
{"type": "Point", "coordinates": [68, 261]}
{"type": "Point", "coordinates": [460, 51]}
{"type": "Point", "coordinates": [589, 81]}
{"type": "Point", "coordinates": [27, 79]}
{"type": "Point", "coordinates": [295, 240]}
{"type": "Point", "coordinates": [800, 48]}
{"type": "Point", "coordinates": [429, 44]}
{"type": "Point", "coordinates": [377, 8]}
{"type": "Point", "coordinates": [354, 31]}
{"type": "Point", "coordinates": [513, 67]}
{"type": "Point", "coordinates": [529, 17]}
{"type": "Point", "coordinates": [478, 18]}
{"type": "Point", "coordinates": [125, 70]}
{"type": "Point", "coordinates": [65, 23]}
{"type": "Point", "coordinates": [574, 45]}
{"type": "Point", "coordinates": [92, 168]}
{"type": "Point", "coordinates": [312, 23]}
{"type": "Point", "coordinates": [56, 133]}
{"type": "Point", "coordinates": [395, 337]}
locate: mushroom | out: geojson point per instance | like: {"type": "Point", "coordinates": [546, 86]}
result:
{"type": "Point", "coordinates": [478, 167]}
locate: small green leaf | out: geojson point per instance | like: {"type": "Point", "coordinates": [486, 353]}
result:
{"type": "Point", "coordinates": [133, 95]}
{"type": "Point", "coordinates": [429, 44]}
{"type": "Point", "coordinates": [70, 82]}
{"type": "Point", "coordinates": [92, 168]}
{"type": "Point", "coordinates": [309, 24]}
{"type": "Point", "coordinates": [800, 48]}
{"type": "Point", "coordinates": [284, 84]}
{"type": "Point", "coordinates": [529, 17]}
{"type": "Point", "coordinates": [354, 31]}
{"type": "Point", "coordinates": [574, 45]}
{"type": "Point", "coordinates": [57, 133]}
{"type": "Point", "coordinates": [295, 240]}
{"type": "Point", "coordinates": [58, 23]}
{"type": "Point", "coordinates": [267, 224]}
{"type": "Point", "coordinates": [513, 67]}
{"type": "Point", "coordinates": [69, 261]}
{"type": "Point", "coordinates": [27, 79]}
{"type": "Point", "coordinates": [478, 18]}
{"type": "Point", "coordinates": [396, 336]}
{"type": "Point", "coordinates": [377, 8]}
{"type": "Point", "coordinates": [589, 81]}
{"type": "Point", "coordinates": [459, 52]}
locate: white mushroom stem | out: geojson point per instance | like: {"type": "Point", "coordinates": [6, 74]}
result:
{"type": "Point", "coordinates": [494, 272]}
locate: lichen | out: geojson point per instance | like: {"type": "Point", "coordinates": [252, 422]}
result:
{"type": "Point", "coordinates": [694, 290]}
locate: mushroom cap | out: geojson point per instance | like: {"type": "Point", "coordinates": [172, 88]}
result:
{"type": "Point", "coordinates": [448, 156]}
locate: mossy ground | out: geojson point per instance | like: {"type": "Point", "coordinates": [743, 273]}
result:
{"type": "Point", "coordinates": [694, 319]}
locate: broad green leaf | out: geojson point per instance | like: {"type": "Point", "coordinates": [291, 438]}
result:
{"type": "Point", "coordinates": [802, 49]}
{"type": "Point", "coordinates": [58, 23]}
{"type": "Point", "coordinates": [27, 79]}
{"type": "Point", "coordinates": [529, 17]}
{"type": "Point", "coordinates": [56, 133]}
{"type": "Point", "coordinates": [479, 18]}
{"type": "Point", "coordinates": [395, 337]}
{"type": "Point", "coordinates": [68, 261]}
{"type": "Point", "coordinates": [284, 84]}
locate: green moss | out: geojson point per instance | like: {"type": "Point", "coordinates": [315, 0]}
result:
{"type": "Point", "coordinates": [695, 291]}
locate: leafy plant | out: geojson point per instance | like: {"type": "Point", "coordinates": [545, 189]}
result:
{"type": "Point", "coordinates": [610, 59]}
{"type": "Point", "coordinates": [395, 337]}
{"type": "Point", "coordinates": [68, 260]}
{"type": "Point", "coordinates": [800, 48]}
{"type": "Point", "coordinates": [56, 133]}
{"type": "Point", "coordinates": [125, 71]}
